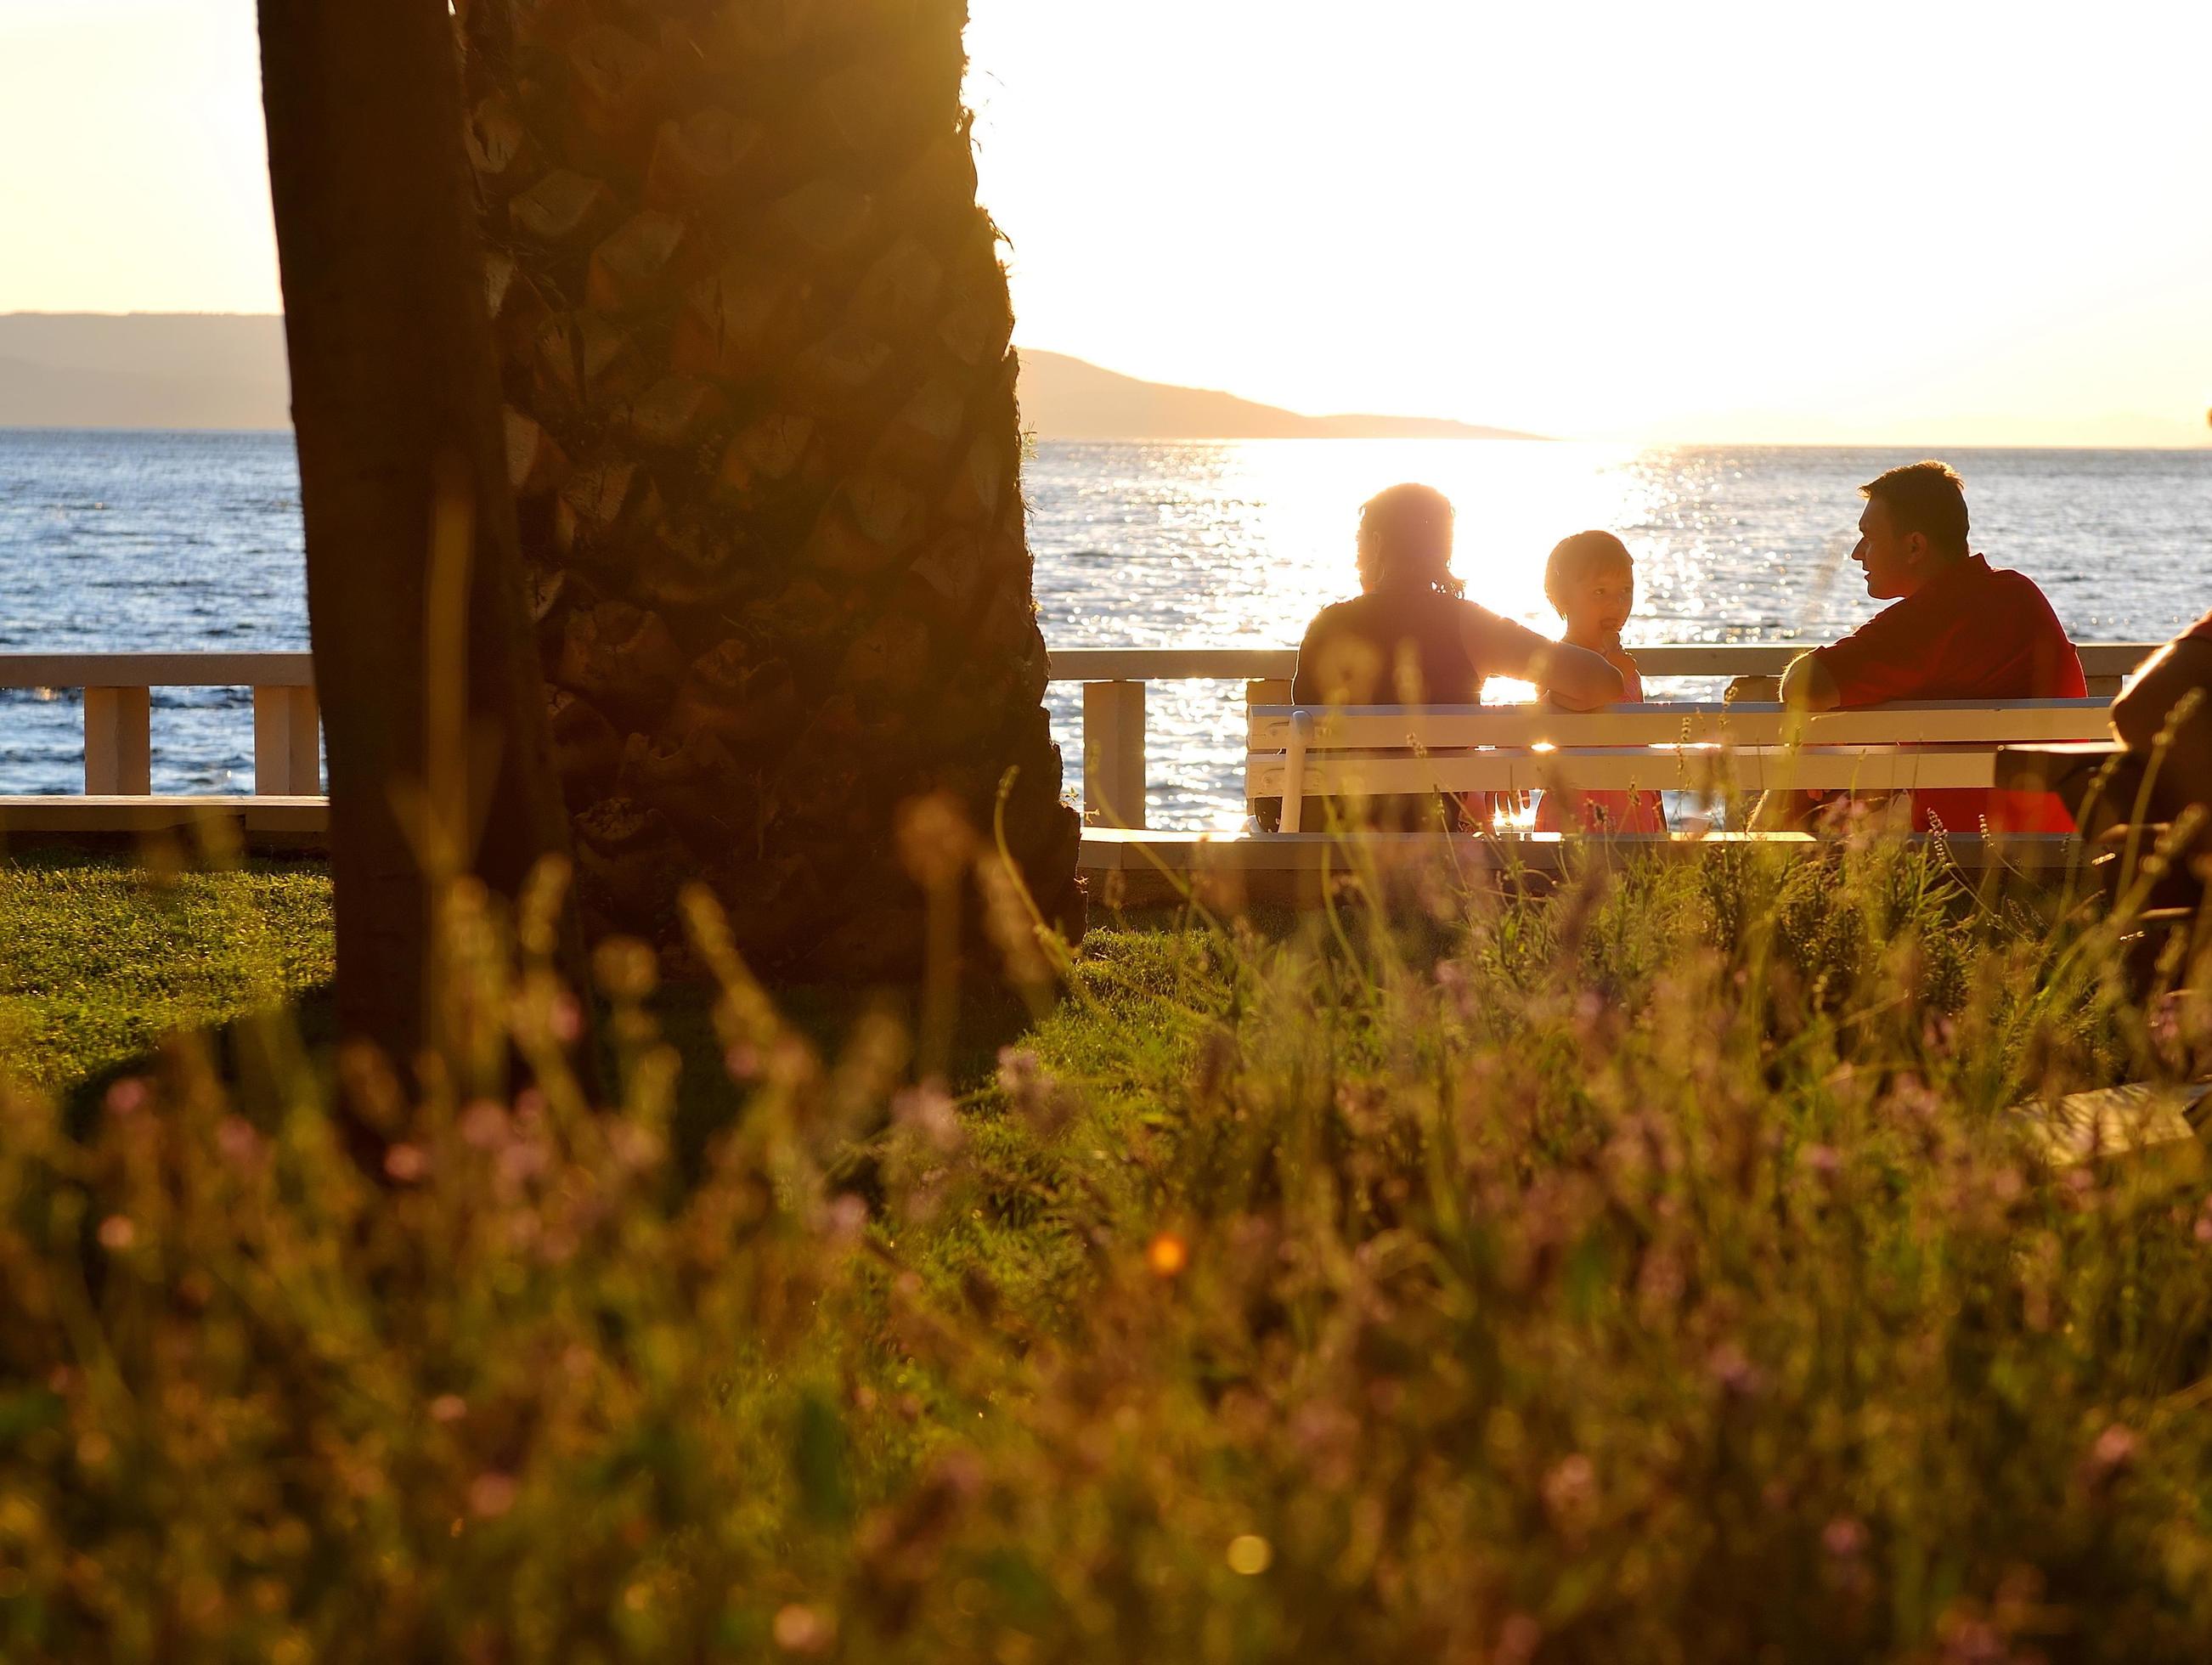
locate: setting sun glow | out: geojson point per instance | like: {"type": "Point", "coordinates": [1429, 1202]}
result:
{"type": "Point", "coordinates": [1724, 220]}
{"type": "Point", "coordinates": [1927, 224]}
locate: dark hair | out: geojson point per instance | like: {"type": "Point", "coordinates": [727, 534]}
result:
{"type": "Point", "coordinates": [1574, 558]}
{"type": "Point", "coordinates": [1929, 498]}
{"type": "Point", "coordinates": [1405, 541]}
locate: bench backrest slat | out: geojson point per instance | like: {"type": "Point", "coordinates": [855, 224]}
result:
{"type": "Point", "coordinates": [2014, 722]}
{"type": "Point", "coordinates": [1829, 769]}
{"type": "Point", "coordinates": [1298, 752]}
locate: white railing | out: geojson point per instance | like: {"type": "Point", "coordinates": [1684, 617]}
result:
{"type": "Point", "coordinates": [119, 747]}
{"type": "Point", "coordinates": [286, 761]}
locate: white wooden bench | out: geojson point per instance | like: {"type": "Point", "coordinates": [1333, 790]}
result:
{"type": "Point", "coordinates": [1298, 752]}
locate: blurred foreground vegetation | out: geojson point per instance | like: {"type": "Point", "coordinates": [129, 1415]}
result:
{"type": "Point", "coordinates": [1653, 1272]}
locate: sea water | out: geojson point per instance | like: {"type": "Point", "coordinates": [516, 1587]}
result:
{"type": "Point", "coordinates": [124, 541]}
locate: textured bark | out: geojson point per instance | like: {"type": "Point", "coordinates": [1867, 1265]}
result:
{"type": "Point", "coordinates": [761, 419]}
{"type": "Point", "coordinates": [396, 407]}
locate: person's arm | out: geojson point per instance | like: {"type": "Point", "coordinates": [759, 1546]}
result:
{"type": "Point", "coordinates": [2149, 708]}
{"type": "Point", "coordinates": [1807, 685]}
{"type": "Point", "coordinates": [2178, 668]}
{"type": "Point", "coordinates": [1574, 676]}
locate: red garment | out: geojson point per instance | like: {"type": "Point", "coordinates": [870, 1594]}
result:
{"type": "Point", "coordinates": [1974, 633]}
{"type": "Point", "coordinates": [1614, 810]}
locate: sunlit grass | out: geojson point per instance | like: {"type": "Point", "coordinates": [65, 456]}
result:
{"type": "Point", "coordinates": [99, 960]}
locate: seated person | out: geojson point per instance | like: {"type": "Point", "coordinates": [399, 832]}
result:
{"type": "Point", "coordinates": [1957, 628]}
{"type": "Point", "coordinates": [2183, 776]}
{"type": "Point", "coordinates": [1591, 581]}
{"type": "Point", "coordinates": [2164, 722]}
{"type": "Point", "coordinates": [1411, 637]}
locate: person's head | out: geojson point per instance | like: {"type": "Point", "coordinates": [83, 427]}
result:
{"type": "Point", "coordinates": [1591, 581]}
{"type": "Point", "coordinates": [1405, 541]}
{"type": "Point", "coordinates": [1913, 526]}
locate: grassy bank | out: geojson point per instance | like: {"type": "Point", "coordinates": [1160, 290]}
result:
{"type": "Point", "coordinates": [1650, 1273]}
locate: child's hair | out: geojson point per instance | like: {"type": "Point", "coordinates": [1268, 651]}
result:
{"type": "Point", "coordinates": [1575, 558]}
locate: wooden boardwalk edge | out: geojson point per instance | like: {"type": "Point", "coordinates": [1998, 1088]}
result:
{"type": "Point", "coordinates": [268, 823]}
{"type": "Point", "coordinates": [1155, 863]}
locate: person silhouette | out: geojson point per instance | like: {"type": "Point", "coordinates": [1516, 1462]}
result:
{"type": "Point", "coordinates": [1411, 637]}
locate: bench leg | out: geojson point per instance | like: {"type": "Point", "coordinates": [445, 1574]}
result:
{"type": "Point", "coordinates": [1294, 772]}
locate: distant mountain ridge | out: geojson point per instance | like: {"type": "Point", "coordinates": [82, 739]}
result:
{"type": "Point", "coordinates": [207, 370]}
{"type": "Point", "coordinates": [190, 370]}
{"type": "Point", "coordinates": [1067, 398]}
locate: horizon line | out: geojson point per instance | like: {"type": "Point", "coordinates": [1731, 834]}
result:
{"type": "Point", "coordinates": [1509, 434]}
{"type": "Point", "coordinates": [1321, 439]}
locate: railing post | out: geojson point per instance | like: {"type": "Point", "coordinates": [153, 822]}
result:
{"type": "Point", "coordinates": [118, 741]}
{"type": "Point", "coordinates": [1114, 753]}
{"type": "Point", "coordinates": [287, 743]}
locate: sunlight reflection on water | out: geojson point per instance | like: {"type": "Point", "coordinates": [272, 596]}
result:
{"type": "Point", "coordinates": [185, 541]}
{"type": "Point", "coordinates": [1237, 544]}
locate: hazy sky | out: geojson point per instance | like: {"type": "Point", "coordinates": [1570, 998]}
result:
{"type": "Point", "coordinates": [1897, 222]}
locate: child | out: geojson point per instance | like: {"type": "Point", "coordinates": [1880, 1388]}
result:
{"type": "Point", "coordinates": [1591, 580]}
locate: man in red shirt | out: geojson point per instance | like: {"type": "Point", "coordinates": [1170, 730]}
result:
{"type": "Point", "coordinates": [1957, 630]}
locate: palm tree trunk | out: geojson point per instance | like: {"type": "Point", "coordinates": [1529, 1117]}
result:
{"type": "Point", "coordinates": [753, 332]}
{"type": "Point", "coordinates": [395, 404]}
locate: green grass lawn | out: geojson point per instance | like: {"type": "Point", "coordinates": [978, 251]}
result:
{"type": "Point", "coordinates": [99, 960]}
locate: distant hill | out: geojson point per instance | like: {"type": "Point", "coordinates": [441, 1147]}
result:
{"type": "Point", "coordinates": [143, 370]}
{"type": "Point", "coordinates": [210, 370]}
{"type": "Point", "coordinates": [1066, 399]}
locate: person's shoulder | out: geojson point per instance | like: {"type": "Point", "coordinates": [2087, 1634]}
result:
{"type": "Point", "coordinates": [1462, 608]}
{"type": "Point", "coordinates": [2019, 590]}
{"type": "Point", "coordinates": [1336, 616]}
{"type": "Point", "coordinates": [1360, 606]}
{"type": "Point", "coordinates": [2018, 582]}
{"type": "Point", "coordinates": [1373, 613]}
{"type": "Point", "coordinates": [2010, 578]}
{"type": "Point", "coordinates": [1473, 615]}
